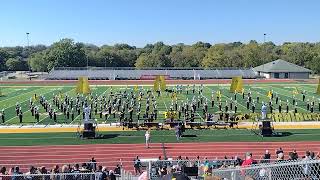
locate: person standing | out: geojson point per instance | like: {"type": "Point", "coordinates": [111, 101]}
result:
{"type": "Point", "coordinates": [20, 116]}
{"type": "Point", "coordinates": [2, 115]}
{"type": "Point", "coordinates": [177, 131]}
{"type": "Point", "coordinates": [137, 166]}
{"type": "Point", "coordinates": [147, 136]}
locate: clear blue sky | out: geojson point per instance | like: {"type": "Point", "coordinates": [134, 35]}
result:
{"type": "Point", "coordinates": [138, 22]}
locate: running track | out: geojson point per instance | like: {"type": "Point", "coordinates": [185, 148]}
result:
{"type": "Point", "coordinates": [110, 154]}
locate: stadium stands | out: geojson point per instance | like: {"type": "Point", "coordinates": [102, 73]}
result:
{"type": "Point", "coordinates": [98, 73]}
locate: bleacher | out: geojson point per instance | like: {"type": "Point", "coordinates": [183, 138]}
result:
{"type": "Point", "coordinates": [106, 73]}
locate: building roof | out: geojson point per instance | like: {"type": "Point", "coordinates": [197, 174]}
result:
{"type": "Point", "coordinates": [280, 66]}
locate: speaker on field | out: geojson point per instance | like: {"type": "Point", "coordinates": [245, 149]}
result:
{"type": "Point", "coordinates": [266, 129]}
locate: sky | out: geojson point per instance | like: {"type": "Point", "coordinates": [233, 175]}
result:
{"type": "Point", "coordinates": [139, 22]}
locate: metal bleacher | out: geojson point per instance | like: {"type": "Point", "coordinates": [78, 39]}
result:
{"type": "Point", "coordinates": [125, 73]}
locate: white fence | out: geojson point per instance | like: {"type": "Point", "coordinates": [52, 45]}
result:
{"type": "Point", "coordinates": [302, 169]}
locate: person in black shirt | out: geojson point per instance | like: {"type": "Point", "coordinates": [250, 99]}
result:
{"type": "Point", "coordinates": [137, 165]}
{"type": "Point", "coordinates": [20, 116]}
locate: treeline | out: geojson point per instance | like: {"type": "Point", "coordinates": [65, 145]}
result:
{"type": "Point", "coordinates": [67, 53]}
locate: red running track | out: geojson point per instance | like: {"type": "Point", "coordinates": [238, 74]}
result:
{"type": "Point", "coordinates": [110, 154]}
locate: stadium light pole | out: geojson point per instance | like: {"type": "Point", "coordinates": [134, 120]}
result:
{"type": "Point", "coordinates": [27, 33]}
{"type": "Point", "coordinates": [265, 50]}
{"type": "Point", "coordinates": [28, 44]}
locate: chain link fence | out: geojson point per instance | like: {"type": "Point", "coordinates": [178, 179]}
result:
{"type": "Point", "coordinates": [69, 176]}
{"type": "Point", "coordinates": [284, 170]}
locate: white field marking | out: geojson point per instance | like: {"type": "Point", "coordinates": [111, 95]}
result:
{"type": "Point", "coordinates": [80, 113]}
{"type": "Point", "coordinates": [24, 111]}
{"type": "Point", "coordinates": [48, 113]}
{"type": "Point", "coordinates": [229, 98]}
{"type": "Point", "coordinates": [291, 98]}
{"type": "Point", "coordinates": [263, 95]}
{"type": "Point", "coordinates": [22, 95]}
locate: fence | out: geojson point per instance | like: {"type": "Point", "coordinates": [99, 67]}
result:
{"type": "Point", "coordinates": [68, 176]}
{"type": "Point", "coordinates": [303, 169]}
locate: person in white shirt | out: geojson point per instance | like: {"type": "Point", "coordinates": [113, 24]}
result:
{"type": "Point", "coordinates": [147, 135]}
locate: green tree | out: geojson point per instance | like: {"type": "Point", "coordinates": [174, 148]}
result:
{"type": "Point", "coordinates": [3, 57]}
{"type": "Point", "coordinates": [14, 64]}
{"type": "Point", "coordinates": [215, 57]}
{"type": "Point", "coordinates": [39, 62]}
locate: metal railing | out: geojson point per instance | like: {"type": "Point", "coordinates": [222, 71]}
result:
{"type": "Point", "coordinates": [303, 169]}
{"type": "Point", "coordinates": [149, 68]}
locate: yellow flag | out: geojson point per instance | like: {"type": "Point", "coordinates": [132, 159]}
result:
{"type": "Point", "coordinates": [34, 98]}
{"type": "Point", "coordinates": [83, 85]}
{"type": "Point", "coordinates": [60, 95]}
{"type": "Point", "coordinates": [174, 95]}
{"type": "Point", "coordinates": [136, 88]}
{"type": "Point", "coordinates": [269, 94]}
{"type": "Point", "coordinates": [219, 93]}
{"type": "Point", "coordinates": [156, 84]}
{"type": "Point", "coordinates": [318, 89]}
{"type": "Point", "coordinates": [163, 84]}
{"type": "Point", "coordinates": [236, 84]}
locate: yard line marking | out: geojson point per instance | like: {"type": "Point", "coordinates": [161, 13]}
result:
{"type": "Point", "coordinates": [80, 113]}
{"type": "Point", "coordinates": [22, 95]}
{"type": "Point", "coordinates": [51, 100]}
{"type": "Point", "coordinates": [26, 110]}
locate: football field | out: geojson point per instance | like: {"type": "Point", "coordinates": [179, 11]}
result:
{"type": "Point", "coordinates": [21, 94]}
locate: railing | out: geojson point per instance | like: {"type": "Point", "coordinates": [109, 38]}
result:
{"type": "Point", "coordinates": [149, 68]}
{"type": "Point", "coordinates": [67, 176]}
{"type": "Point", "coordinates": [304, 169]}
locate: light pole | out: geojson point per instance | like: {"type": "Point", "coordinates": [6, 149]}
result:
{"type": "Point", "coordinates": [28, 43]}
{"type": "Point", "coordinates": [27, 33]}
{"type": "Point", "coordinates": [265, 51]}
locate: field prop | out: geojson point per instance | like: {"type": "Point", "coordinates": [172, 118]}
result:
{"type": "Point", "coordinates": [236, 84]}
{"type": "Point", "coordinates": [83, 86]}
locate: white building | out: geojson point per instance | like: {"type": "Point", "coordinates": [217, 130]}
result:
{"type": "Point", "coordinates": [280, 69]}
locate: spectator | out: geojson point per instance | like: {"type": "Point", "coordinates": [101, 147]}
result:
{"type": "Point", "coordinates": [3, 171]}
{"type": "Point", "coordinates": [178, 175]}
{"type": "Point", "coordinates": [84, 168]}
{"type": "Point", "coordinates": [266, 157]}
{"type": "Point", "coordinates": [112, 176]}
{"type": "Point", "coordinates": [137, 165]}
{"type": "Point", "coordinates": [17, 173]}
{"type": "Point", "coordinates": [280, 157]}
{"type": "Point", "coordinates": [307, 156]}
{"type": "Point", "coordinates": [76, 170]}
{"type": "Point", "coordinates": [278, 151]}
{"type": "Point", "coordinates": [55, 169]}
{"type": "Point", "coordinates": [248, 161]}
{"type": "Point", "coordinates": [93, 164]}
{"type": "Point", "coordinates": [65, 169]}
{"type": "Point", "coordinates": [117, 170]}
{"type": "Point", "coordinates": [100, 174]}
{"type": "Point", "coordinates": [294, 155]}
{"type": "Point", "coordinates": [32, 170]}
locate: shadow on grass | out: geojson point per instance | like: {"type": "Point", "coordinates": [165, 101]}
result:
{"type": "Point", "coordinates": [107, 136]}
{"type": "Point", "coordinates": [282, 134]}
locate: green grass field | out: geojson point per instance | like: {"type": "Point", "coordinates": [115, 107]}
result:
{"type": "Point", "coordinates": [164, 136]}
{"type": "Point", "coordinates": [21, 94]}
